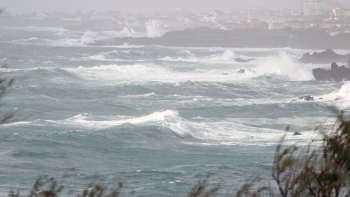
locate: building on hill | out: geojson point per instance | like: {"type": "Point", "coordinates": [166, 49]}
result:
{"type": "Point", "coordinates": [324, 7]}
{"type": "Point", "coordinates": [310, 7]}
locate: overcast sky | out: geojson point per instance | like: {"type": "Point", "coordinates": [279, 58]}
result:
{"type": "Point", "coordinates": [25, 6]}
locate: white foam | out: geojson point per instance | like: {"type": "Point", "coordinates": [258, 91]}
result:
{"type": "Point", "coordinates": [223, 132]}
{"type": "Point", "coordinates": [228, 56]}
{"type": "Point", "coordinates": [29, 39]}
{"type": "Point", "coordinates": [168, 118]}
{"type": "Point", "coordinates": [339, 98]}
{"type": "Point", "coordinates": [90, 37]}
{"type": "Point", "coordinates": [152, 73]}
{"type": "Point", "coordinates": [140, 95]}
{"type": "Point", "coordinates": [153, 31]}
{"type": "Point", "coordinates": [36, 28]}
{"type": "Point", "coordinates": [99, 57]}
{"type": "Point", "coordinates": [14, 124]}
{"type": "Point", "coordinates": [284, 67]}
{"type": "Point", "coordinates": [68, 38]}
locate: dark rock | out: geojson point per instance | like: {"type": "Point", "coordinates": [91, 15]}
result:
{"type": "Point", "coordinates": [324, 57]}
{"type": "Point", "coordinates": [307, 98]}
{"type": "Point", "coordinates": [336, 73]}
{"type": "Point", "coordinates": [241, 71]}
{"type": "Point", "coordinates": [297, 133]}
{"type": "Point", "coordinates": [243, 60]}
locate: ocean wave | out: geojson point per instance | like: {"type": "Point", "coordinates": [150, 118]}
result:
{"type": "Point", "coordinates": [339, 98]}
{"type": "Point", "coordinates": [36, 28]}
{"type": "Point", "coordinates": [67, 38]}
{"type": "Point", "coordinates": [140, 95]}
{"type": "Point", "coordinates": [281, 68]}
{"type": "Point", "coordinates": [284, 67]}
{"type": "Point", "coordinates": [119, 55]}
{"type": "Point", "coordinates": [151, 73]}
{"type": "Point", "coordinates": [224, 132]}
{"type": "Point", "coordinates": [168, 118]}
{"type": "Point", "coordinates": [227, 57]}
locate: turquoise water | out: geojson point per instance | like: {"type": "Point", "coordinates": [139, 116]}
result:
{"type": "Point", "coordinates": [156, 118]}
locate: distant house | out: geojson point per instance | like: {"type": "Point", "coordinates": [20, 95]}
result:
{"type": "Point", "coordinates": [234, 25]}
{"type": "Point", "coordinates": [296, 13]}
{"type": "Point", "coordinates": [302, 25]}
{"type": "Point", "coordinates": [341, 12]}
{"type": "Point", "coordinates": [310, 7]}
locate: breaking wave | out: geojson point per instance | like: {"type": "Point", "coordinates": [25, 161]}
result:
{"type": "Point", "coordinates": [168, 118]}
{"type": "Point", "coordinates": [227, 57]}
{"type": "Point", "coordinates": [340, 98]}
{"type": "Point", "coordinates": [67, 38]}
{"type": "Point", "coordinates": [153, 31]}
{"type": "Point", "coordinates": [224, 132]}
{"type": "Point", "coordinates": [284, 67]}
{"type": "Point", "coordinates": [153, 73]}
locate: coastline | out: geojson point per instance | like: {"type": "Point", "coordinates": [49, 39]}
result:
{"type": "Point", "coordinates": [241, 38]}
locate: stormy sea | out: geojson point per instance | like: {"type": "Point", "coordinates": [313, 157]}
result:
{"type": "Point", "coordinates": [156, 118]}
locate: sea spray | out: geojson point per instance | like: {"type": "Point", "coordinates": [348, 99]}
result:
{"type": "Point", "coordinates": [283, 66]}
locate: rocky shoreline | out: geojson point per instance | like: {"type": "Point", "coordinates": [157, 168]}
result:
{"type": "Point", "coordinates": [325, 57]}
{"type": "Point", "coordinates": [336, 73]}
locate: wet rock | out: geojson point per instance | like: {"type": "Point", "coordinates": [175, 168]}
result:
{"type": "Point", "coordinates": [241, 71]}
{"type": "Point", "coordinates": [307, 98]}
{"type": "Point", "coordinates": [336, 73]}
{"type": "Point", "coordinates": [324, 57]}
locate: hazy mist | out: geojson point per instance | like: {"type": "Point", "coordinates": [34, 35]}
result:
{"type": "Point", "coordinates": [24, 6]}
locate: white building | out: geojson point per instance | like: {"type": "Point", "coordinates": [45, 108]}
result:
{"type": "Point", "coordinates": [155, 23]}
{"type": "Point", "coordinates": [310, 7]}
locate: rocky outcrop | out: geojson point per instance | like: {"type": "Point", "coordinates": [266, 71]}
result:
{"type": "Point", "coordinates": [325, 57]}
{"type": "Point", "coordinates": [242, 71]}
{"type": "Point", "coordinates": [336, 73]}
{"type": "Point", "coordinates": [304, 98]}
{"type": "Point", "coordinates": [307, 98]}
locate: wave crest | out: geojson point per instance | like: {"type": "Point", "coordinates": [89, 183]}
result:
{"type": "Point", "coordinates": [284, 67]}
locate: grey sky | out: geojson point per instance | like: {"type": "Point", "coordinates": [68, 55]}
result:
{"type": "Point", "coordinates": [25, 6]}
